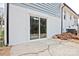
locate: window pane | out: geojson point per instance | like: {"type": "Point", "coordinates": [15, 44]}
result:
{"type": "Point", "coordinates": [34, 27]}
{"type": "Point", "coordinates": [64, 15]}
{"type": "Point", "coordinates": [70, 17]}
{"type": "Point", "coordinates": [42, 28]}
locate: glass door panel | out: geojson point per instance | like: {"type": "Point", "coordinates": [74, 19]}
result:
{"type": "Point", "coordinates": [34, 27]}
{"type": "Point", "coordinates": [43, 29]}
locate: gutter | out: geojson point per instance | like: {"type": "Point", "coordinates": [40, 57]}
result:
{"type": "Point", "coordinates": [62, 18]}
{"type": "Point", "coordinates": [7, 20]}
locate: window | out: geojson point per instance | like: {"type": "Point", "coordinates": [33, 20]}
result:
{"type": "Point", "coordinates": [37, 27]}
{"type": "Point", "coordinates": [75, 21]}
{"type": "Point", "coordinates": [64, 15]}
{"type": "Point", "coordinates": [70, 17]}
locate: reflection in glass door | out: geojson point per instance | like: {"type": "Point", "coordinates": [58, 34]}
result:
{"type": "Point", "coordinates": [34, 27]}
{"type": "Point", "coordinates": [43, 28]}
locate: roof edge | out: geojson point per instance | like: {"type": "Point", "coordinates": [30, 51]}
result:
{"type": "Point", "coordinates": [70, 9]}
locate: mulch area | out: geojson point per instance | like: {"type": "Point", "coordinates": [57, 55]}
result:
{"type": "Point", "coordinates": [66, 36]}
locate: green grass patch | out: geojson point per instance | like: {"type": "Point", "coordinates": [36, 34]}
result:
{"type": "Point", "coordinates": [1, 33]}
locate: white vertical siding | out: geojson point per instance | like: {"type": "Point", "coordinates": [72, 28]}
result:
{"type": "Point", "coordinates": [47, 8]}
{"type": "Point", "coordinates": [18, 25]}
{"type": "Point", "coordinates": [19, 20]}
{"type": "Point", "coordinates": [54, 26]}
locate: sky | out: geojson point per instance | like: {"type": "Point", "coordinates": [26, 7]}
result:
{"type": "Point", "coordinates": [74, 5]}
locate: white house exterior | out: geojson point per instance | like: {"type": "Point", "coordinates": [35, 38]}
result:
{"type": "Point", "coordinates": [26, 22]}
{"type": "Point", "coordinates": [70, 19]}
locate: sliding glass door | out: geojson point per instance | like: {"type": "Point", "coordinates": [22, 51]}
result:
{"type": "Point", "coordinates": [37, 27]}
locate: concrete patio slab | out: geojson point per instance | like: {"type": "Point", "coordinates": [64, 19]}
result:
{"type": "Point", "coordinates": [46, 48]}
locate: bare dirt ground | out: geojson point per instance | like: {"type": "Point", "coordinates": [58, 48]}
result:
{"type": "Point", "coordinates": [75, 41]}
{"type": "Point", "coordinates": [5, 51]}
